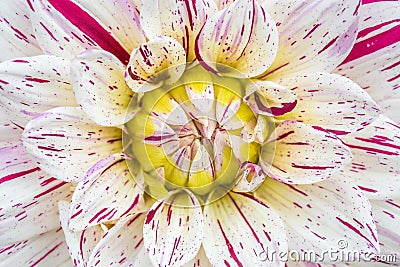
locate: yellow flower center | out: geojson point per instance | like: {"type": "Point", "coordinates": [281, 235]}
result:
{"type": "Point", "coordinates": [193, 134]}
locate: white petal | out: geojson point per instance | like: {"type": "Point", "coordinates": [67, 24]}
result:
{"type": "Point", "coordinates": [200, 260]}
{"type": "Point", "coordinates": [80, 243]}
{"type": "Point", "coordinates": [376, 164]}
{"type": "Point", "coordinates": [387, 218]}
{"type": "Point", "coordinates": [10, 132]}
{"type": "Point", "coordinates": [299, 154]}
{"type": "Point", "coordinates": [374, 60]}
{"type": "Point", "coordinates": [330, 101]}
{"type": "Point", "coordinates": [33, 85]}
{"type": "Point", "coordinates": [28, 197]}
{"type": "Point", "coordinates": [123, 244]}
{"type": "Point", "coordinates": [223, 3]}
{"type": "Point", "coordinates": [65, 143]}
{"type": "Point", "coordinates": [16, 38]}
{"type": "Point", "coordinates": [242, 36]}
{"type": "Point", "coordinates": [181, 20]}
{"type": "Point", "coordinates": [328, 215]}
{"type": "Point", "coordinates": [65, 29]}
{"type": "Point", "coordinates": [107, 192]}
{"type": "Point", "coordinates": [47, 249]}
{"type": "Point", "coordinates": [173, 231]}
{"type": "Point", "coordinates": [160, 61]}
{"type": "Point", "coordinates": [240, 227]}
{"type": "Point", "coordinates": [313, 35]}
{"type": "Point", "coordinates": [100, 89]}
{"type": "Point", "coordinates": [270, 99]}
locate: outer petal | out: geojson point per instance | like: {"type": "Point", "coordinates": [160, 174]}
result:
{"type": "Point", "coordinates": [238, 228]}
{"type": "Point", "coordinates": [29, 86]}
{"type": "Point", "coordinates": [270, 99]}
{"type": "Point", "coordinates": [106, 193]}
{"type": "Point", "coordinates": [65, 28]}
{"type": "Point", "coordinates": [28, 197]}
{"type": "Point", "coordinates": [313, 35]}
{"type": "Point", "coordinates": [10, 132]}
{"type": "Point", "coordinates": [376, 164]}
{"type": "Point", "coordinates": [100, 88]}
{"type": "Point", "coordinates": [330, 101]}
{"type": "Point", "coordinates": [374, 62]}
{"type": "Point", "coordinates": [302, 154]}
{"type": "Point", "coordinates": [387, 218]}
{"type": "Point", "coordinates": [47, 249]}
{"type": "Point", "coordinates": [179, 19]}
{"type": "Point", "coordinates": [318, 216]}
{"type": "Point", "coordinates": [80, 244]}
{"type": "Point", "coordinates": [242, 36]}
{"type": "Point", "coordinates": [161, 60]}
{"type": "Point", "coordinates": [122, 245]}
{"type": "Point", "coordinates": [16, 38]}
{"type": "Point", "coordinates": [173, 231]}
{"type": "Point", "coordinates": [66, 143]}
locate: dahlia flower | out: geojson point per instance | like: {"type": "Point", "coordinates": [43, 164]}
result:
{"type": "Point", "coordinates": [199, 133]}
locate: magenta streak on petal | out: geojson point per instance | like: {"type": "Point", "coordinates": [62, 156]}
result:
{"type": "Point", "coordinates": [366, 189]}
{"type": "Point", "coordinates": [378, 142]}
{"type": "Point", "coordinates": [50, 190]}
{"type": "Point", "coordinates": [373, 150]}
{"type": "Point", "coordinates": [297, 190]}
{"type": "Point", "coordinates": [97, 215]}
{"type": "Point", "coordinates": [45, 255]}
{"type": "Point", "coordinates": [247, 222]}
{"type": "Point", "coordinates": [230, 247]}
{"type": "Point", "coordinates": [367, 31]}
{"type": "Point", "coordinates": [135, 202]}
{"type": "Point", "coordinates": [351, 227]}
{"type": "Point", "coordinates": [81, 242]}
{"type": "Point", "coordinates": [328, 45]}
{"type": "Point", "coordinates": [36, 80]}
{"type": "Point", "coordinates": [294, 165]}
{"type": "Point", "coordinates": [253, 198]}
{"type": "Point", "coordinates": [88, 25]}
{"type": "Point", "coordinates": [285, 108]}
{"type": "Point", "coordinates": [17, 175]}
{"type": "Point", "coordinates": [151, 213]}
{"type": "Point", "coordinates": [393, 204]}
{"type": "Point", "coordinates": [374, 44]}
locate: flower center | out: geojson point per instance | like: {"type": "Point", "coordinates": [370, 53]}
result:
{"type": "Point", "coordinates": [191, 134]}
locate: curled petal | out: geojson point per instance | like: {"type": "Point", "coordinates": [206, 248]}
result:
{"type": "Point", "coordinates": [330, 101]}
{"type": "Point", "coordinates": [66, 143]}
{"type": "Point", "coordinates": [173, 229]}
{"type": "Point", "coordinates": [242, 37]}
{"type": "Point", "coordinates": [299, 154]}
{"type": "Point", "coordinates": [159, 61]}
{"type": "Point", "coordinates": [270, 99]}
{"type": "Point", "coordinates": [179, 19]}
{"type": "Point", "coordinates": [99, 87]}
{"type": "Point", "coordinates": [251, 176]}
